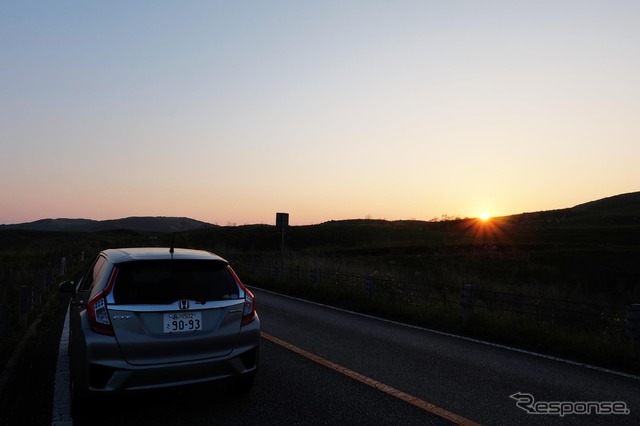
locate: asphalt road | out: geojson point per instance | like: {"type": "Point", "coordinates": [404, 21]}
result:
{"type": "Point", "coordinates": [325, 366]}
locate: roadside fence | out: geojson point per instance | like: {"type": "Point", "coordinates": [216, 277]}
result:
{"type": "Point", "coordinates": [18, 302]}
{"type": "Point", "coordinates": [615, 323]}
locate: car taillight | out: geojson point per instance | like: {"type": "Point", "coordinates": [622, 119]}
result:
{"type": "Point", "coordinates": [249, 309]}
{"type": "Point", "coordinates": [97, 309]}
{"type": "Point", "coordinates": [98, 315]}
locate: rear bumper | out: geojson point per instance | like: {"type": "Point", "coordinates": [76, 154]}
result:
{"type": "Point", "coordinates": [110, 374]}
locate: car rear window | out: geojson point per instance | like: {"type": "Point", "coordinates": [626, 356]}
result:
{"type": "Point", "coordinates": [161, 282]}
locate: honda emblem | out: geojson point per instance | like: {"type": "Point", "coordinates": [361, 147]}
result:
{"type": "Point", "coordinates": [184, 304]}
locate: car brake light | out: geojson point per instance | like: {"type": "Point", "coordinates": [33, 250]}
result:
{"type": "Point", "coordinates": [99, 316]}
{"type": "Point", "coordinates": [97, 309]}
{"type": "Point", "coordinates": [249, 309]}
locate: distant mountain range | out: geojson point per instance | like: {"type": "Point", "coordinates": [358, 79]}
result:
{"type": "Point", "coordinates": [141, 224]}
{"type": "Point", "coordinates": [624, 208]}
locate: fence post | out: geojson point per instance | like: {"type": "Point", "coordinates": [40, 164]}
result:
{"type": "Point", "coordinates": [633, 326]}
{"type": "Point", "coordinates": [466, 300]}
{"type": "Point", "coordinates": [370, 285]}
{"type": "Point", "coordinates": [63, 267]}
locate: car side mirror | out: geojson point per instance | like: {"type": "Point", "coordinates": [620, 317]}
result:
{"type": "Point", "coordinates": [67, 286]}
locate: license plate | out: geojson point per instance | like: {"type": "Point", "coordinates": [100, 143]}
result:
{"type": "Point", "coordinates": [178, 322]}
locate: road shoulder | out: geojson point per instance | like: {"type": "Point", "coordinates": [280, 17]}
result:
{"type": "Point", "coordinates": [27, 394]}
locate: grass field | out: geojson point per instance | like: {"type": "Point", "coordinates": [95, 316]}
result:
{"type": "Point", "coordinates": [556, 281]}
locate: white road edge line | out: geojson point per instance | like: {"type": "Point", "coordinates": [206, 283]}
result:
{"type": "Point", "coordinates": [61, 412]}
{"type": "Point", "coordinates": [469, 339]}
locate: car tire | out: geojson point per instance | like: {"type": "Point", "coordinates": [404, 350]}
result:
{"type": "Point", "coordinates": [81, 406]}
{"type": "Point", "coordinates": [242, 385]}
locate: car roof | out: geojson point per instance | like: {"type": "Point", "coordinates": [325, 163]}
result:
{"type": "Point", "coordinates": [121, 255]}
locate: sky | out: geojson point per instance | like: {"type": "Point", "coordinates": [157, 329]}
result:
{"type": "Point", "coordinates": [230, 111]}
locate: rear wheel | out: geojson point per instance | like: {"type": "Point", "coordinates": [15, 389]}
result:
{"type": "Point", "coordinates": [242, 385]}
{"type": "Point", "coordinates": [80, 404]}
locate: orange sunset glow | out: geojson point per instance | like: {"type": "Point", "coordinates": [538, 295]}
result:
{"type": "Point", "coordinates": [228, 112]}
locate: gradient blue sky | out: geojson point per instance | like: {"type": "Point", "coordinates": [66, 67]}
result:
{"type": "Point", "coordinates": [229, 112]}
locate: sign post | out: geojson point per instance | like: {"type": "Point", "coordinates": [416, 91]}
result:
{"type": "Point", "coordinates": [282, 224]}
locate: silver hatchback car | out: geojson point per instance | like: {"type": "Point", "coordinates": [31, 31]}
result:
{"type": "Point", "coordinates": [147, 318]}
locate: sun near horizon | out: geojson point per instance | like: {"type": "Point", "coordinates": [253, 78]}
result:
{"type": "Point", "coordinates": [484, 216]}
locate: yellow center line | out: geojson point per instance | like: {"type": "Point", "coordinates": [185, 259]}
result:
{"type": "Point", "coordinates": [441, 412]}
